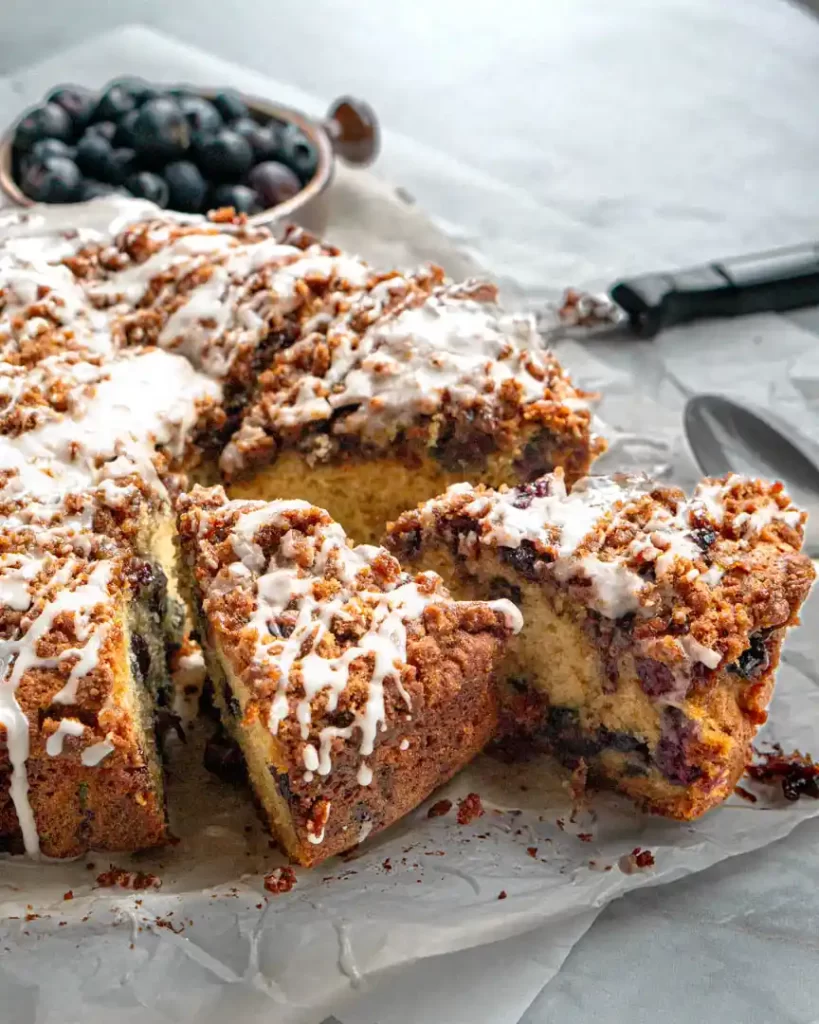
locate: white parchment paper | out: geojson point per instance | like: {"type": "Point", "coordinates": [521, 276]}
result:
{"type": "Point", "coordinates": [414, 926]}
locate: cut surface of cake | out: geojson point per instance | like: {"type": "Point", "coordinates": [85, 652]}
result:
{"type": "Point", "coordinates": [654, 622]}
{"type": "Point", "coordinates": [402, 386]}
{"type": "Point", "coordinates": [352, 688]}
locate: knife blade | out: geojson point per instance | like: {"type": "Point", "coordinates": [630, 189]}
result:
{"type": "Point", "coordinates": [642, 306]}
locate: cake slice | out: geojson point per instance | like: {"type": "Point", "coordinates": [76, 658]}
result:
{"type": "Point", "coordinates": [352, 688]}
{"type": "Point", "coordinates": [82, 648]}
{"type": "Point", "coordinates": [409, 384]}
{"type": "Point", "coordinates": [654, 622]}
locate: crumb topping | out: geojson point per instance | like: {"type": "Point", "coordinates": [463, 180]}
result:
{"type": "Point", "coordinates": [698, 576]}
{"type": "Point", "coordinates": [408, 350]}
{"type": "Point", "coordinates": [316, 629]}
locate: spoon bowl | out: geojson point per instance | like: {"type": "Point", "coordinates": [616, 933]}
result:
{"type": "Point", "coordinates": [726, 437]}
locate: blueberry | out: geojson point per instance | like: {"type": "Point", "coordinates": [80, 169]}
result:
{"type": "Point", "coordinates": [148, 186]}
{"type": "Point", "coordinates": [94, 155]}
{"type": "Point", "coordinates": [105, 129]}
{"type": "Point", "coordinates": [161, 132]}
{"type": "Point", "coordinates": [240, 197]}
{"type": "Point", "coordinates": [121, 165]}
{"type": "Point", "coordinates": [299, 153]}
{"type": "Point", "coordinates": [91, 189]}
{"type": "Point", "coordinates": [274, 182]}
{"type": "Point", "coordinates": [77, 102]}
{"type": "Point", "coordinates": [186, 186]}
{"type": "Point", "coordinates": [200, 114]}
{"type": "Point", "coordinates": [230, 105]}
{"type": "Point", "coordinates": [114, 103]}
{"type": "Point", "coordinates": [265, 139]}
{"type": "Point", "coordinates": [137, 88]}
{"type": "Point", "coordinates": [51, 147]}
{"type": "Point", "coordinates": [54, 179]}
{"type": "Point", "coordinates": [225, 155]}
{"type": "Point", "coordinates": [47, 122]}
{"type": "Point", "coordinates": [125, 130]}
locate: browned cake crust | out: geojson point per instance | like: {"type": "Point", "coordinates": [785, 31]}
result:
{"type": "Point", "coordinates": [353, 688]}
{"type": "Point", "coordinates": [654, 622]}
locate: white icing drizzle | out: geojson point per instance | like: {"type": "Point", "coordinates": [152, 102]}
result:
{"type": "Point", "coordinates": [404, 744]}
{"type": "Point", "coordinates": [96, 753]}
{"type": "Point", "coordinates": [67, 727]}
{"type": "Point", "coordinates": [567, 519]}
{"type": "Point", "coordinates": [302, 663]}
{"type": "Point", "coordinates": [19, 655]}
{"type": "Point", "coordinates": [364, 831]}
{"type": "Point", "coordinates": [512, 615]}
{"type": "Point", "coordinates": [573, 525]}
{"type": "Point", "coordinates": [410, 361]}
{"type": "Point", "coordinates": [709, 497]}
{"type": "Point", "coordinates": [699, 652]}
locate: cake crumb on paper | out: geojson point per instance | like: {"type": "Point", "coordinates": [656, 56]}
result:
{"type": "Point", "coordinates": [280, 880]}
{"type": "Point", "coordinates": [469, 809]}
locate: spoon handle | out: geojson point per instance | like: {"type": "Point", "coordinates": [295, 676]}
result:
{"type": "Point", "coordinates": [766, 282]}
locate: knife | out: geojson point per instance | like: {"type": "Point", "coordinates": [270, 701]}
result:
{"type": "Point", "coordinates": [773, 281]}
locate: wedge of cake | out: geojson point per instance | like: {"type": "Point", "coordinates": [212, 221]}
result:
{"type": "Point", "coordinates": [410, 384]}
{"type": "Point", "coordinates": [352, 688]}
{"type": "Point", "coordinates": [83, 629]}
{"type": "Point", "coordinates": [654, 622]}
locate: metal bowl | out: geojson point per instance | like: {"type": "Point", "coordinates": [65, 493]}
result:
{"type": "Point", "coordinates": [350, 131]}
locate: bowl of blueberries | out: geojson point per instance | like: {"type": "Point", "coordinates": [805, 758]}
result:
{"type": "Point", "coordinates": [184, 148]}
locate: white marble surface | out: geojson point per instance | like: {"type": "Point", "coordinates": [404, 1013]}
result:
{"type": "Point", "coordinates": [569, 142]}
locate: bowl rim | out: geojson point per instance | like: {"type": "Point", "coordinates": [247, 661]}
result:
{"type": "Point", "coordinates": [312, 128]}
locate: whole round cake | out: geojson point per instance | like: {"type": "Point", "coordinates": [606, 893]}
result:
{"type": "Point", "coordinates": [193, 411]}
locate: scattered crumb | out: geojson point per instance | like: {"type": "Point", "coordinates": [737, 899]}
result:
{"type": "Point", "coordinates": [745, 794]}
{"type": "Point", "coordinates": [68, 895]}
{"type": "Point", "coordinates": [128, 879]}
{"type": "Point", "coordinates": [502, 894]}
{"type": "Point", "coordinates": [90, 866]}
{"type": "Point", "coordinates": [162, 922]}
{"type": "Point", "coordinates": [280, 880]}
{"type": "Point", "coordinates": [441, 808]}
{"type": "Point", "coordinates": [561, 824]}
{"type": "Point", "coordinates": [797, 772]}
{"type": "Point", "coordinates": [387, 865]}
{"type": "Point", "coordinates": [637, 860]}
{"type": "Point", "coordinates": [532, 851]}
{"type": "Point", "coordinates": [469, 809]}
{"type": "Point", "coordinates": [585, 837]}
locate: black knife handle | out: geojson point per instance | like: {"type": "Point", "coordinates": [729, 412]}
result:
{"type": "Point", "coordinates": [768, 282]}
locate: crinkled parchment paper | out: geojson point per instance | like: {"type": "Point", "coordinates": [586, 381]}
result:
{"type": "Point", "coordinates": [391, 933]}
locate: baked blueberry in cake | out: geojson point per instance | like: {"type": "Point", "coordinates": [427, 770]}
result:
{"type": "Point", "coordinates": [352, 687]}
{"type": "Point", "coordinates": [653, 621]}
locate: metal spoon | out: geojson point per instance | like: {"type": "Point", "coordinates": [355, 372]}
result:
{"type": "Point", "coordinates": [726, 437]}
